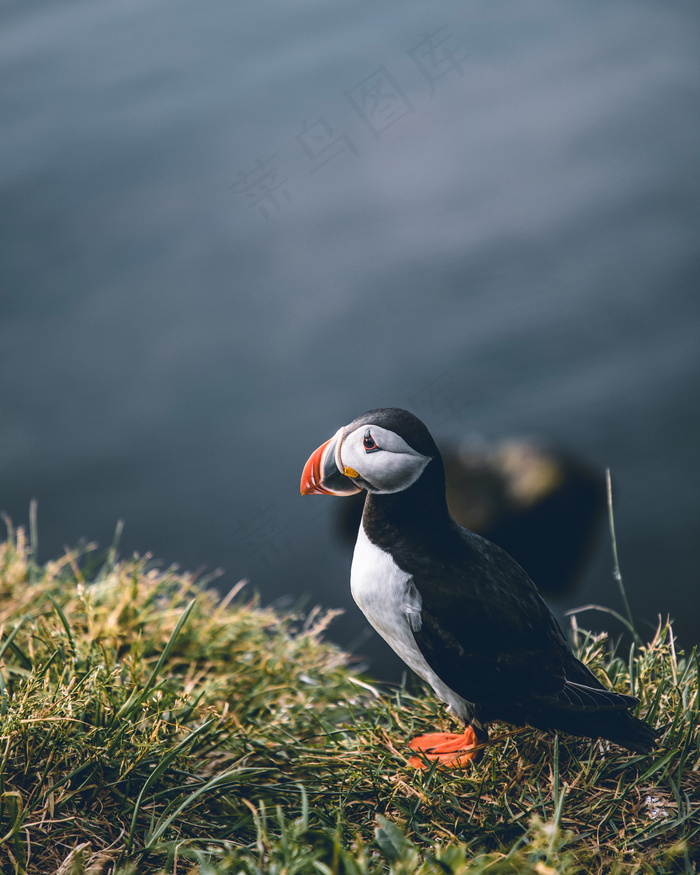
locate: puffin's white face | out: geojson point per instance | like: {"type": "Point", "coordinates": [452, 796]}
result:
{"type": "Point", "coordinates": [366, 455]}
{"type": "Point", "coordinates": [378, 460]}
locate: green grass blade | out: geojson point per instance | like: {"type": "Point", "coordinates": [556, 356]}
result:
{"type": "Point", "coordinates": [134, 701]}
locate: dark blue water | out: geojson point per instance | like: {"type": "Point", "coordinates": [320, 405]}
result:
{"type": "Point", "coordinates": [227, 229]}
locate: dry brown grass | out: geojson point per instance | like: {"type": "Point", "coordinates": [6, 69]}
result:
{"type": "Point", "coordinates": [147, 726]}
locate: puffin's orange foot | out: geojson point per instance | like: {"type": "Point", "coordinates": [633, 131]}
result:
{"type": "Point", "coordinates": [448, 748]}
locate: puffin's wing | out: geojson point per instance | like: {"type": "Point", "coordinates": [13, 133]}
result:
{"type": "Point", "coordinates": [485, 630]}
{"type": "Point", "coordinates": [496, 672]}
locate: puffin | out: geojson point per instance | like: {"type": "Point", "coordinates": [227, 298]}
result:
{"type": "Point", "coordinates": [456, 608]}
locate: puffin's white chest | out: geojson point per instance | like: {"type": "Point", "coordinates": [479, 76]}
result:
{"type": "Point", "coordinates": [387, 597]}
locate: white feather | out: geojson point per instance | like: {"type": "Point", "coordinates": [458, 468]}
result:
{"type": "Point", "coordinates": [388, 598]}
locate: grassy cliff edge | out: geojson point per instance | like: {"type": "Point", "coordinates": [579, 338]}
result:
{"type": "Point", "coordinates": [148, 726]}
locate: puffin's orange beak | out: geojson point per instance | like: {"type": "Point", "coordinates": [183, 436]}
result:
{"type": "Point", "coordinates": [321, 475]}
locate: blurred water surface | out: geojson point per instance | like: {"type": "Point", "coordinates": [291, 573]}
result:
{"type": "Point", "coordinates": [230, 228]}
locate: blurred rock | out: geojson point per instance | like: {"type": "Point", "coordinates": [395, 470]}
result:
{"type": "Point", "coordinates": [542, 504]}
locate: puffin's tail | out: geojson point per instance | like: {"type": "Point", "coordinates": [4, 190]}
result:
{"type": "Point", "coordinates": [620, 727]}
{"type": "Point", "coordinates": [631, 732]}
{"type": "Point", "coordinates": [596, 713]}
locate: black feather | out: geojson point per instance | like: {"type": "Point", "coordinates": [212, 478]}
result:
{"type": "Point", "coordinates": [484, 629]}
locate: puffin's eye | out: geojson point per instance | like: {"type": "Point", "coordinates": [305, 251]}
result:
{"type": "Point", "coordinates": [369, 443]}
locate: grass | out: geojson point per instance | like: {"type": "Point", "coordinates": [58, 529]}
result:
{"type": "Point", "coordinates": [146, 726]}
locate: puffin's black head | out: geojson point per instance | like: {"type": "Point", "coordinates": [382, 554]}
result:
{"type": "Point", "coordinates": [383, 451]}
